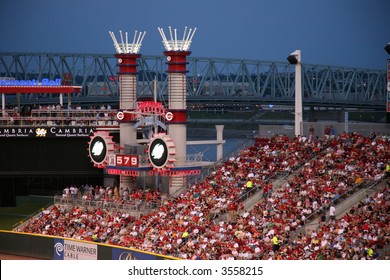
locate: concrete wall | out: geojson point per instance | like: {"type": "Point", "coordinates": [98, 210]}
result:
{"type": "Point", "coordinates": [43, 247]}
{"type": "Point", "coordinates": [361, 128]}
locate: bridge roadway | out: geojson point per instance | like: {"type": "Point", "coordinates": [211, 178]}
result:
{"type": "Point", "coordinates": [241, 102]}
{"type": "Point", "coordinates": [247, 117]}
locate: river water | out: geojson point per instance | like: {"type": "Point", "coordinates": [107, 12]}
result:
{"type": "Point", "coordinates": [210, 151]}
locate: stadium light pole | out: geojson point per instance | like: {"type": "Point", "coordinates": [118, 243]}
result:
{"type": "Point", "coordinates": [295, 59]}
{"type": "Point", "coordinates": [387, 48]}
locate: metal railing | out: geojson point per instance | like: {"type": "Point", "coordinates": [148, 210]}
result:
{"type": "Point", "coordinates": [20, 224]}
{"type": "Point", "coordinates": [134, 206]}
{"type": "Point", "coordinates": [63, 117]}
{"type": "Point", "coordinates": [191, 180]}
{"type": "Point", "coordinates": [352, 196]}
{"type": "Point", "coordinates": [279, 175]}
{"type": "Point", "coordinates": [195, 157]}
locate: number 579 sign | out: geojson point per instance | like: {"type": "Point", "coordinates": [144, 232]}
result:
{"type": "Point", "coordinates": [127, 160]}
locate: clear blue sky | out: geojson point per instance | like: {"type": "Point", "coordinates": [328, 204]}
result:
{"type": "Point", "coordinates": [350, 33]}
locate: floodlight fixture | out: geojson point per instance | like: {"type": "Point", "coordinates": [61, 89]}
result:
{"type": "Point", "coordinates": [175, 44]}
{"type": "Point", "coordinates": [124, 47]}
{"type": "Point", "coordinates": [295, 57]}
{"type": "Point", "coordinates": [387, 48]}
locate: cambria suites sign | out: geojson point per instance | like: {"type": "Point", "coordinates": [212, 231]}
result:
{"type": "Point", "coordinates": [46, 132]}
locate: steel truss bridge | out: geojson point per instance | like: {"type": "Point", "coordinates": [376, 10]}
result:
{"type": "Point", "coordinates": [209, 80]}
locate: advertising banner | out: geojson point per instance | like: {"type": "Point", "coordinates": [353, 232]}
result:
{"type": "Point", "coordinates": [122, 254]}
{"type": "Point", "coordinates": [72, 250]}
{"type": "Point", "coordinates": [46, 132]}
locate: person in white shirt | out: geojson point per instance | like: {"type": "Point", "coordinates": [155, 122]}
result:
{"type": "Point", "coordinates": [332, 212]}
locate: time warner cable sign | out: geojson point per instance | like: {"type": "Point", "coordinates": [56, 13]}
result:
{"type": "Point", "coordinates": [72, 250]}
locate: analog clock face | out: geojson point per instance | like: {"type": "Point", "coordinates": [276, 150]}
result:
{"type": "Point", "coordinates": [158, 152]}
{"type": "Point", "coordinates": [98, 149]}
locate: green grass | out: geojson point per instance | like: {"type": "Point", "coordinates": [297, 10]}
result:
{"type": "Point", "coordinates": [25, 206]}
{"type": "Point", "coordinates": [7, 222]}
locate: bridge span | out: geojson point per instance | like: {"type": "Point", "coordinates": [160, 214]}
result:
{"type": "Point", "coordinates": [209, 80]}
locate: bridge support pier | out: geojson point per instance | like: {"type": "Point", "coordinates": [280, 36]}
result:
{"type": "Point", "coordinates": [219, 129]}
{"type": "Point", "coordinates": [311, 116]}
{"type": "Point", "coordinates": [341, 116]}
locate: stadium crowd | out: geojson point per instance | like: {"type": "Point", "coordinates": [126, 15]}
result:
{"type": "Point", "coordinates": [192, 225]}
{"type": "Point", "coordinates": [113, 197]}
{"type": "Point", "coordinates": [356, 235]}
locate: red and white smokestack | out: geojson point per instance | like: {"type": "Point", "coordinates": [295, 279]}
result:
{"type": "Point", "coordinates": [127, 54]}
{"type": "Point", "coordinates": [177, 102]}
{"type": "Point", "coordinates": [176, 53]}
{"type": "Point", "coordinates": [127, 64]}
{"type": "Point", "coordinates": [127, 75]}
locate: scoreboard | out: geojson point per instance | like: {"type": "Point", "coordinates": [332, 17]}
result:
{"type": "Point", "coordinates": [126, 160]}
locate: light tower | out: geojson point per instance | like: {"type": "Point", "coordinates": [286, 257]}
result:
{"type": "Point", "coordinates": [127, 54]}
{"type": "Point", "coordinates": [387, 49]}
{"type": "Point", "coordinates": [295, 59]}
{"type": "Point", "coordinates": [176, 51]}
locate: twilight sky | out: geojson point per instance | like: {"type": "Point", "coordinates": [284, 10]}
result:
{"type": "Point", "coordinates": [350, 33]}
